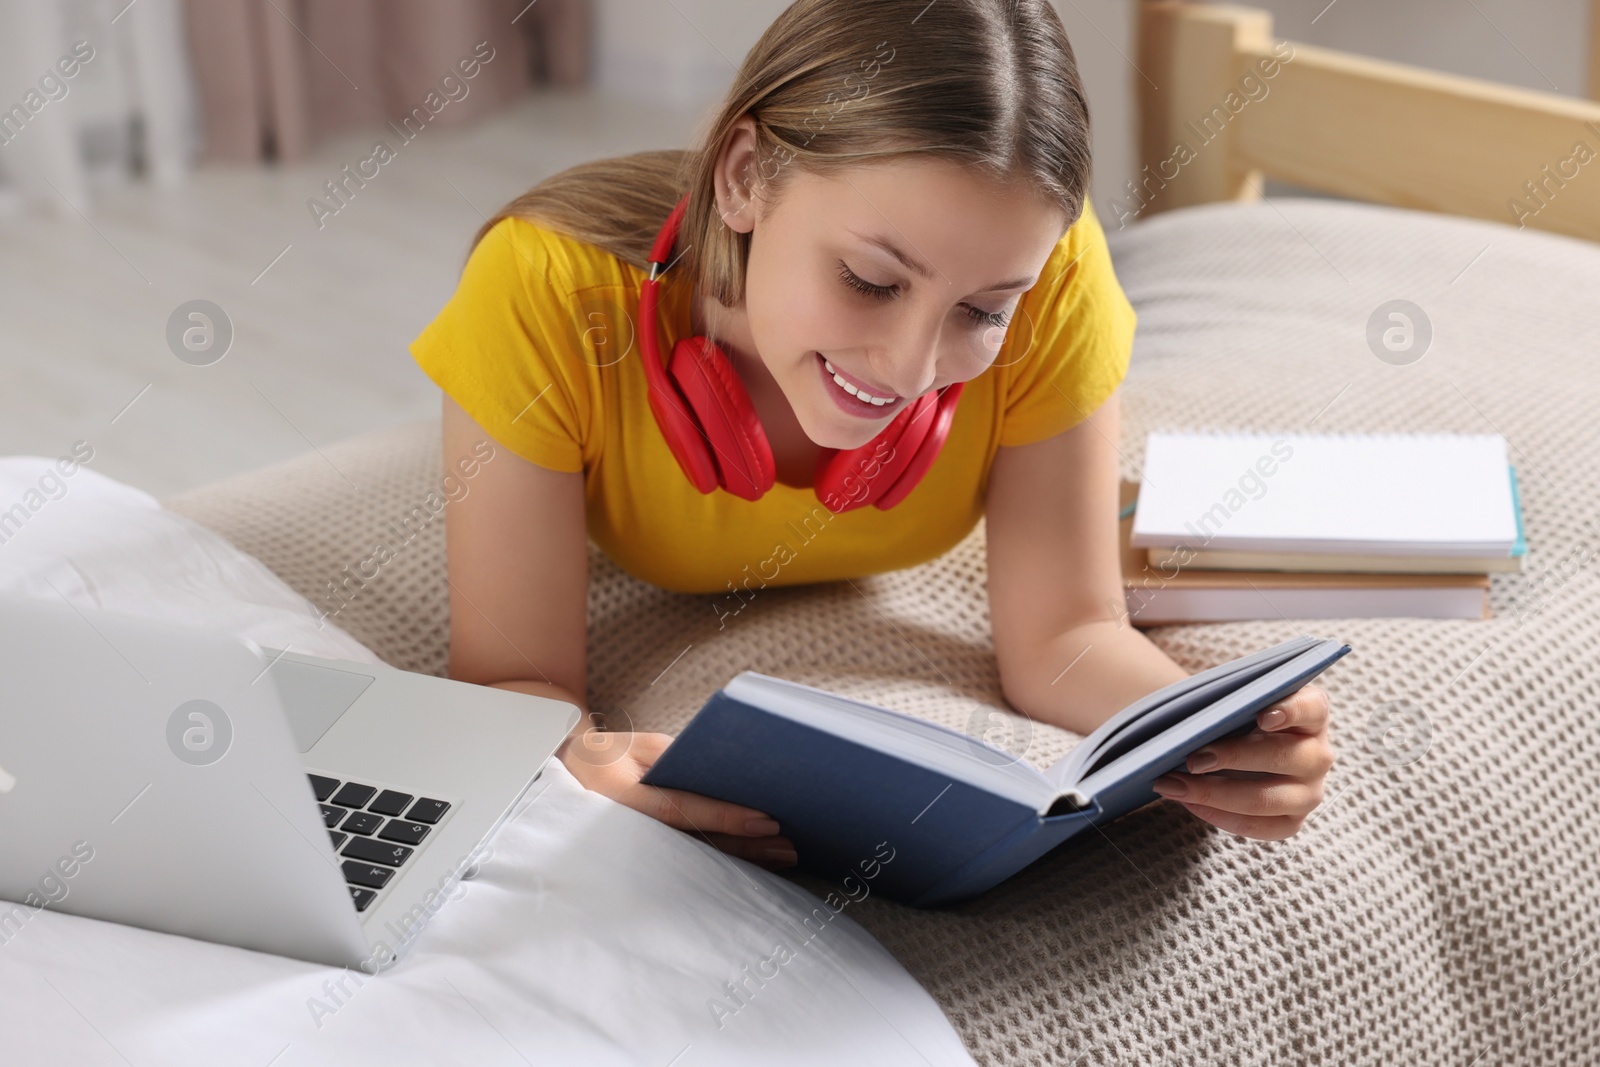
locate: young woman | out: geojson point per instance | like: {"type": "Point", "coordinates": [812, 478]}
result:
{"type": "Point", "coordinates": [887, 217]}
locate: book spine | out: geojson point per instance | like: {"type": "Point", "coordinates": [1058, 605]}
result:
{"type": "Point", "coordinates": [1022, 846]}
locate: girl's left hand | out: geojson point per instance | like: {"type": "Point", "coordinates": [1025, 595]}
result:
{"type": "Point", "coordinates": [1280, 766]}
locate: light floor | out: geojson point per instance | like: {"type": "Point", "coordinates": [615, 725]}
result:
{"type": "Point", "coordinates": [319, 349]}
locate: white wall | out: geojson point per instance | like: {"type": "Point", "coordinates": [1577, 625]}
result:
{"type": "Point", "coordinates": [649, 50]}
{"type": "Point", "coordinates": [679, 54]}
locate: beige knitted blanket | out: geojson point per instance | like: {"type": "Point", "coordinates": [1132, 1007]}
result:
{"type": "Point", "coordinates": [1442, 904]}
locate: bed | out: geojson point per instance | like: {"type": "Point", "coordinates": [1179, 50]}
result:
{"type": "Point", "coordinates": [1440, 906]}
{"type": "Point", "coordinates": [1440, 903]}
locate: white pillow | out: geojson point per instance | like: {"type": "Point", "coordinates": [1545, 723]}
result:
{"type": "Point", "coordinates": [592, 935]}
{"type": "Point", "coordinates": [103, 544]}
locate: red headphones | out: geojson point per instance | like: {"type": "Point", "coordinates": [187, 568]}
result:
{"type": "Point", "coordinates": [706, 416]}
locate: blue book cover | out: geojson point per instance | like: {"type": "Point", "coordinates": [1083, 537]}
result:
{"type": "Point", "coordinates": [930, 815]}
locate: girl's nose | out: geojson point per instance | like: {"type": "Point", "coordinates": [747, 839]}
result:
{"type": "Point", "coordinates": [918, 369]}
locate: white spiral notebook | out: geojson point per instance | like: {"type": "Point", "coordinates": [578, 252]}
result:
{"type": "Point", "coordinates": [1381, 494]}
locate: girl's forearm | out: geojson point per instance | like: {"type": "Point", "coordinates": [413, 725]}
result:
{"type": "Point", "coordinates": [1082, 677]}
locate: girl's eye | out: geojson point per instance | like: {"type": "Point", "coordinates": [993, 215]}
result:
{"type": "Point", "coordinates": [989, 318]}
{"type": "Point", "coordinates": [882, 292]}
{"type": "Point", "coordinates": [885, 292]}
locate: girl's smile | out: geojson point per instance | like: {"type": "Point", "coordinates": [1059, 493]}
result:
{"type": "Point", "coordinates": [851, 394]}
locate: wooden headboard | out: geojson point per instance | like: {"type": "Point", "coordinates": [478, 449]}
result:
{"type": "Point", "coordinates": [1224, 103]}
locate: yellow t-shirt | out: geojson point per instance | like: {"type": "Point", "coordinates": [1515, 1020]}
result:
{"type": "Point", "coordinates": [538, 345]}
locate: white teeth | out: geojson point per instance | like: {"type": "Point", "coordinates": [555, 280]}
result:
{"type": "Point", "coordinates": [852, 390]}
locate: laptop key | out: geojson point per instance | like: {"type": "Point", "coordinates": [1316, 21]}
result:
{"type": "Point", "coordinates": [362, 897]}
{"type": "Point", "coordinates": [354, 795]}
{"type": "Point", "coordinates": [428, 810]}
{"type": "Point", "coordinates": [337, 838]}
{"type": "Point", "coordinates": [362, 822]}
{"type": "Point", "coordinates": [407, 833]}
{"type": "Point", "coordinates": [364, 848]}
{"type": "Point", "coordinates": [322, 785]}
{"type": "Point", "coordinates": [390, 802]}
{"type": "Point", "coordinates": [366, 874]}
{"type": "Point", "coordinates": [331, 815]}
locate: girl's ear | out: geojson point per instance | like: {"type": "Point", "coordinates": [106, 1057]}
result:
{"type": "Point", "coordinates": [735, 177]}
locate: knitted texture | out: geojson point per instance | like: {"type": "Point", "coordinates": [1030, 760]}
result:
{"type": "Point", "coordinates": [1439, 907]}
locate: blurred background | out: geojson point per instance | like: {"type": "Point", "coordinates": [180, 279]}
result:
{"type": "Point", "coordinates": [225, 151]}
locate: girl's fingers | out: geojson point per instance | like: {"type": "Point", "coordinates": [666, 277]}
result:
{"type": "Point", "coordinates": [774, 852]}
{"type": "Point", "coordinates": [699, 814]}
{"type": "Point", "coordinates": [604, 748]}
{"type": "Point", "coordinates": [1269, 796]}
{"type": "Point", "coordinates": [1261, 827]}
{"type": "Point", "coordinates": [646, 748]}
{"type": "Point", "coordinates": [1303, 711]}
{"type": "Point", "coordinates": [1295, 754]}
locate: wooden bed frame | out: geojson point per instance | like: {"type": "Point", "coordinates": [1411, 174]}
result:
{"type": "Point", "coordinates": [1223, 104]}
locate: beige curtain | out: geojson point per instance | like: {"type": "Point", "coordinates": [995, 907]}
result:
{"type": "Point", "coordinates": [276, 75]}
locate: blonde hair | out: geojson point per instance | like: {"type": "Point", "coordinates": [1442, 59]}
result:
{"type": "Point", "coordinates": [991, 85]}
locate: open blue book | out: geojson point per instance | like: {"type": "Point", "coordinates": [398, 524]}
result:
{"type": "Point", "coordinates": [851, 783]}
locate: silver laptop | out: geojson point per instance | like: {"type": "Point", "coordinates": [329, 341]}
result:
{"type": "Point", "coordinates": [196, 783]}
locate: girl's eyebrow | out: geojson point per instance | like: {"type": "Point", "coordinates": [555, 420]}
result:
{"type": "Point", "coordinates": [916, 266]}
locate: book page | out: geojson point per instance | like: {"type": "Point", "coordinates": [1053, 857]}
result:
{"type": "Point", "coordinates": [1233, 712]}
{"type": "Point", "coordinates": [960, 756]}
{"type": "Point", "coordinates": [1159, 711]}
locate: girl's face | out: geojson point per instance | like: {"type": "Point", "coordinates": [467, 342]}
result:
{"type": "Point", "coordinates": [827, 301]}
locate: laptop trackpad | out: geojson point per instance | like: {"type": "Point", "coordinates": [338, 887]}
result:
{"type": "Point", "coordinates": [314, 697]}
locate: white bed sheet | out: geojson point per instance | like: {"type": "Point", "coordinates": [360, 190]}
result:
{"type": "Point", "coordinates": [593, 934]}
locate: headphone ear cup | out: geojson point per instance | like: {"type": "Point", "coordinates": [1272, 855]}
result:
{"type": "Point", "coordinates": [682, 434]}
{"type": "Point", "coordinates": [735, 443]}
{"type": "Point", "coordinates": [905, 436]}
{"type": "Point", "coordinates": [927, 452]}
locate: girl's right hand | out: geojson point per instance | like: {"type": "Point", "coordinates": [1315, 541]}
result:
{"type": "Point", "coordinates": [611, 763]}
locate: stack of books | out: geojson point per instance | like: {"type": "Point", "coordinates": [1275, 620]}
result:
{"type": "Point", "coordinates": [1230, 526]}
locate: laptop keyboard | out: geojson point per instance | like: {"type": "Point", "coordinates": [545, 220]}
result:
{"type": "Point", "coordinates": [374, 830]}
